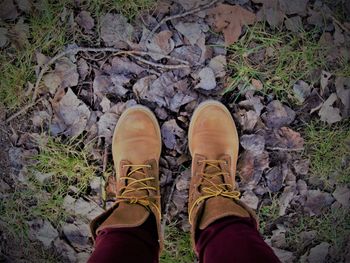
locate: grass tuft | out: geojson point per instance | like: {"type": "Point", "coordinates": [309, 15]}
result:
{"type": "Point", "coordinates": [277, 59]}
{"type": "Point", "coordinates": [130, 9]}
{"type": "Point", "coordinates": [177, 246]}
{"type": "Point", "coordinates": [328, 148]}
{"type": "Point", "coordinates": [332, 226]}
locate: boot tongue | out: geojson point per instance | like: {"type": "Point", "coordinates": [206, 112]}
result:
{"type": "Point", "coordinates": [141, 174]}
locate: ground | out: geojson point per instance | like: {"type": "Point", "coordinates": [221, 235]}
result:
{"type": "Point", "coordinates": [70, 68]}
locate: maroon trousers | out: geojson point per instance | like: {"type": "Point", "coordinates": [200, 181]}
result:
{"type": "Point", "coordinates": [230, 239]}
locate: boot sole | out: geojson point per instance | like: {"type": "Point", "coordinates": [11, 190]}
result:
{"type": "Point", "coordinates": [198, 111]}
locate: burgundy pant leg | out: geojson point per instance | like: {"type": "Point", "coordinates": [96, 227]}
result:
{"type": "Point", "coordinates": [233, 239]}
{"type": "Point", "coordinates": [132, 245]}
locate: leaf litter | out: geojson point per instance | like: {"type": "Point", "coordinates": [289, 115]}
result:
{"type": "Point", "coordinates": [88, 92]}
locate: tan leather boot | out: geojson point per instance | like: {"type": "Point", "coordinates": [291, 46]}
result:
{"type": "Point", "coordinates": [136, 150]}
{"type": "Point", "coordinates": [214, 144]}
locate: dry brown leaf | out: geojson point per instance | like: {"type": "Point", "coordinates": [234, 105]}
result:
{"type": "Point", "coordinates": [161, 44]}
{"type": "Point", "coordinates": [115, 29]}
{"type": "Point", "coordinates": [251, 166]}
{"type": "Point", "coordinates": [328, 113]}
{"type": "Point", "coordinates": [85, 21]}
{"type": "Point", "coordinates": [278, 115]}
{"type": "Point", "coordinates": [229, 19]}
{"type": "Point", "coordinates": [284, 138]}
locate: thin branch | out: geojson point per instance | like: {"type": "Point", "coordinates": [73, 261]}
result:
{"type": "Point", "coordinates": [285, 149]}
{"type": "Point", "coordinates": [132, 53]}
{"type": "Point", "coordinates": [46, 67]}
{"type": "Point", "coordinates": [158, 65]}
{"type": "Point", "coordinates": [168, 18]}
{"type": "Point", "coordinates": [23, 110]}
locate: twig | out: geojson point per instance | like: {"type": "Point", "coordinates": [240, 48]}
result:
{"type": "Point", "coordinates": [132, 53]}
{"type": "Point", "coordinates": [23, 110]}
{"type": "Point", "coordinates": [168, 18]}
{"type": "Point", "coordinates": [158, 65]}
{"type": "Point", "coordinates": [340, 24]}
{"type": "Point", "coordinates": [285, 149]}
{"type": "Point", "coordinates": [105, 155]}
{"type": "Point", "coordinates": [89, 49]}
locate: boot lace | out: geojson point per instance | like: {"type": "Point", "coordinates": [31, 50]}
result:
{"type": "Point", "coordinates": [212, 188]}
{"type": "Point", "coordinates": [128, 192]}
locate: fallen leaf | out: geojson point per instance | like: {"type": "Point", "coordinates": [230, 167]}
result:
{"type": "Point", "coordinates": [252, 103]}
{"type": "Point", "coordinates": [192, 54]}
{"type": "Point", "coordinates": [66, 252]}
{"type": "Point", "coordinates": [328, 113]}
{"type": "Point", "coordinates": [301, 90]}
{"type": "Point", "coordinates": [65, 75]}
{"type": "Point", "coordinates": [160, 44]}
{"type": "Point", "coordinates": [318, 253]}
{"type": "Point", "coordinates": [171, 133]}
{"type": "Point", "coordinates": [250, 199]}
{"type": "Point", "coordinates": [71, 115]}
{"type": "Point", "coordinates": [301, 167]}
{"type": "Point", "coordinates": [286, 197]}
{"type": "Point", "coordinates": [8, 10]}
{"type": "Point", "coordinates": [295, 7]}
{"type": "Point", "coordinates": [207, 79]}
{"type": "Point", "coordinates": [105, 104]}
{"type": "Point", "coordinates": [114, 28]}
{"type": "Point", "coordinates": [85, 21]}
{"type": "Point", "coordinates": [316, 201]}
{"type": "Point", "coordinates": [230, 19]}
{"type": "Point", "coordinates": [192, 31]}
{"type": "Point", "coordinates": [83, 68]}
{"type": "Point", "coordinates": [218, 65]}
{"type": "Point", "coordinates": [251, 166]}
{"type": "Point", "coordinates": [278, 238]}
{"type": "Point", "coordinates": [187, 5]}
{"type": "Point", "coordinates": [159, 91]}
{"type": "Point", "coordinates": [294, 24]}
{"type": "Point", "coordinates": [122, 65]}
{"type": "Point", "coordinates": [274, 179]}
{"type": "Point", "coordinates": [342, 195]}
{"type": "Point", "coordinates": [253, 142]}
{"type": "Point", "coordinates": [3, 37]}
{"type": "Point", "coordinates": [25, 5]}
{"type": "Point", "coordinates": [19, 34]}
{"type": "Point", "coordinates": [283, 255]}
{"type": "Point", "coordinates": [278, 115]}
{"type": "Point", "coordinates": [78, 235]}
{"type": "Point", "coordinates": [271, 12]}
{"type": "Point", "coordinates": [342, 86]}
{"type": "Point", "coordinates": [247, 119]}
{"type": "Point", "coordinates": [108, 120]}
{"type": "Point", "coordinates": [43, 231]}
{"type": "Point", "coordinates": [284, 138]}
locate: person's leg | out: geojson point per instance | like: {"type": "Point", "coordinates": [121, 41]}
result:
{"type": "Point", "coordinates": [233, 239]}
{"type": "Point", "coordinates": [130, 230]}
{"type": "Point", "coordinates": [222, 227]}
{"type": "Point", "coordinates": [134, 244]}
